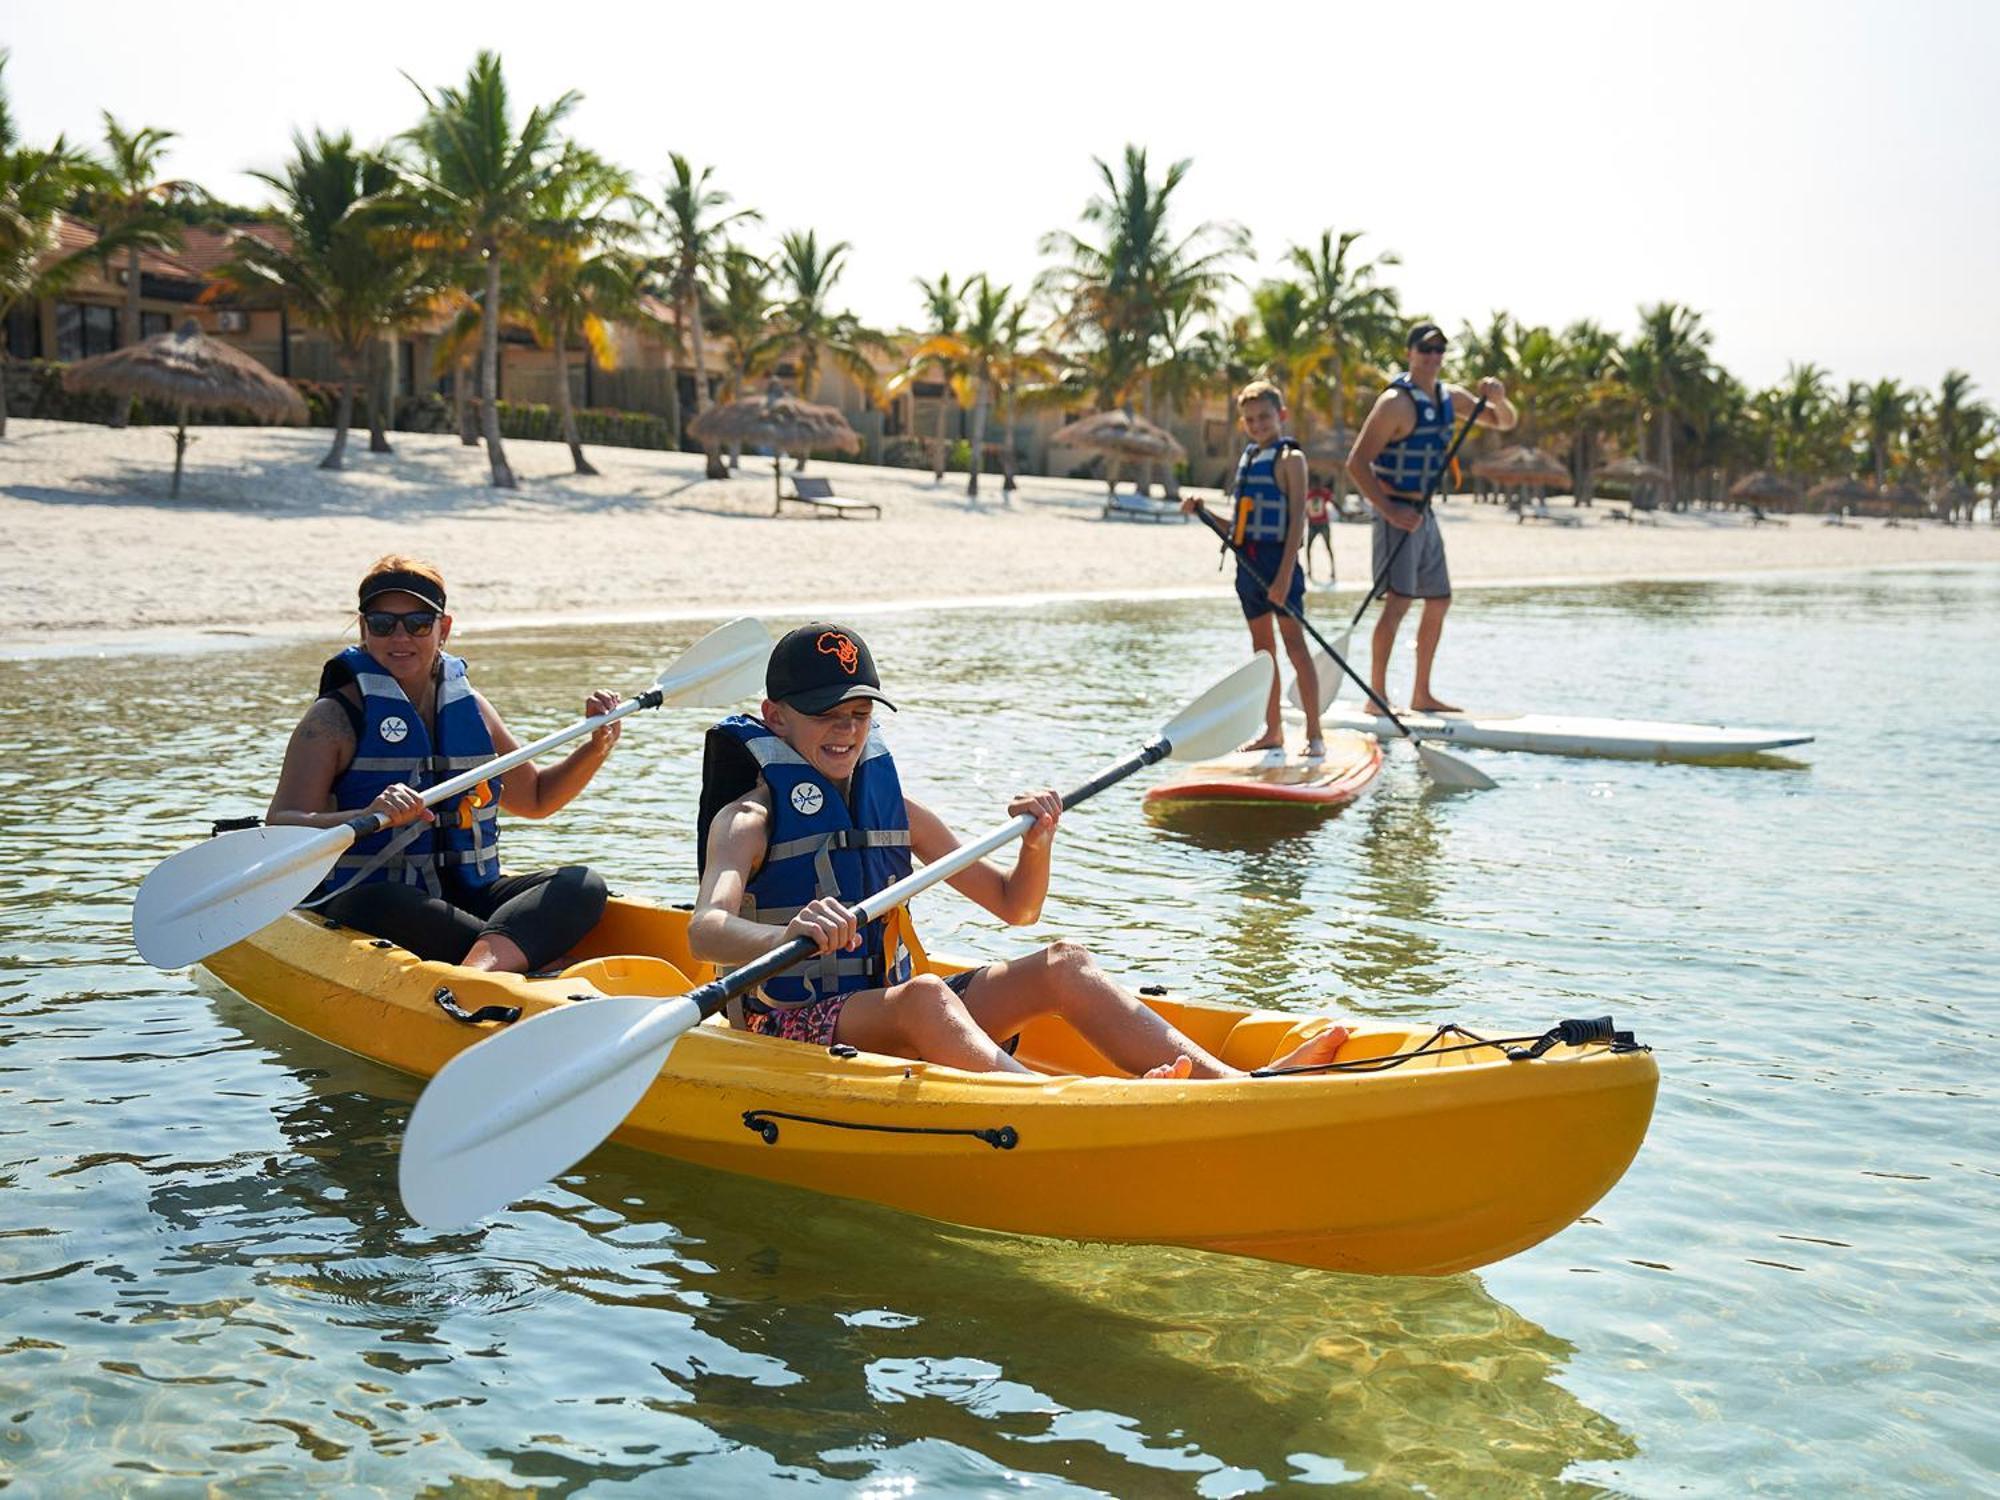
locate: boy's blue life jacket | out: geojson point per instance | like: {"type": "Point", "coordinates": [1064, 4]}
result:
{"type": "Point", "coordinates": [392, 745]}
{"type": "Point", "coordinates": [1261, 512]}
{"type": "Point", "coordinates": [1410, 466]}
{"type": "Point", "coordinates": [821, 844]}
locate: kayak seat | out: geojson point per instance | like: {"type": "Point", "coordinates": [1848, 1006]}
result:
{"type": "Point", "coordinates": [1256, 1041]}
{"type": "Point", "coordinates": [628, 974]}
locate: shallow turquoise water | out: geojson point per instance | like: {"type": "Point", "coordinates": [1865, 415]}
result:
{"type": "Point", "coordinates": [205, 1279]}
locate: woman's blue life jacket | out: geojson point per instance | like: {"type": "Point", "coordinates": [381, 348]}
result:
{"type": "Point", "coordinates": [821, 844]}
{"type": "Point", "coordinates": [1262, 514]}
{"type": "Point", "coordinates": [392, 745]}
{"type": "Point", "coordinates": [1410, 466]}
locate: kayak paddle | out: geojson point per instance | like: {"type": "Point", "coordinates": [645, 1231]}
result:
{"type": "Point", "coordinates": [1447, 771]}
{"type": "Point", "coordinates": [532, 1100]}
{"type": "Point", "coordinates": [219, 892]}
{"type": "Point", "coordinates": [1329, 682]}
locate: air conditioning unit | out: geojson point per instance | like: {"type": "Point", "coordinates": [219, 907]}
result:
{"type": "Point", "coordinates": [229, 320]}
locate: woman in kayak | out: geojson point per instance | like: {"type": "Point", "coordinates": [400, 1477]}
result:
{"type": "Point", "coordinates": [396, 713]}
{"type": "Point", "coordinates": [803, 817]}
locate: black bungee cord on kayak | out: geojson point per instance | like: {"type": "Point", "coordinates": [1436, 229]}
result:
{"type": "Point", "coordinates": [1518, 1048]}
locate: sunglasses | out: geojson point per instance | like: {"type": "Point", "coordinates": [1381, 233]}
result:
{"type": "Point", "coordinates": [1431, 348]}
{"type": "Point", "coordinates": [415, 622]}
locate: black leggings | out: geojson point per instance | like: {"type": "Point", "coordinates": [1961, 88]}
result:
{"type": "Point", "coordinates": [544, 913]}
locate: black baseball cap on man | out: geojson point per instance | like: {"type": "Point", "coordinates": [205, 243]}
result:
{"type": "Point", "coordinates": [1421, 332]}
{"type": "Point", "coordinates": [819, 665]}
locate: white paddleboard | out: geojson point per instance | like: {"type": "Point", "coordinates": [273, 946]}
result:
{"type": "Point", "coordinates": [1559, 734]}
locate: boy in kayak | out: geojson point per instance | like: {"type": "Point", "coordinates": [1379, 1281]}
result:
{"type": "Point", "coordinates": [1270, 495]}
{"type": "Point", "coordinates": [803, 817]}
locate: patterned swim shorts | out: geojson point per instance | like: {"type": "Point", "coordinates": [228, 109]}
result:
{"type": "Point", "coordinates": [812, 1024]}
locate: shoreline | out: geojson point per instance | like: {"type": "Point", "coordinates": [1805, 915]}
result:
{"type": "Point", "coordinates": [266, 547]}
{"type": "Point", "coordinates": [173, 639]}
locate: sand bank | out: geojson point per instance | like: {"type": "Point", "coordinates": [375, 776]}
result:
{"type": "Point", "coordinates": [265, 543]}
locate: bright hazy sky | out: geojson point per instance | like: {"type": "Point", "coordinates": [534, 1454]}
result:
{"type": "Point", "coordinates": [1821, 181]}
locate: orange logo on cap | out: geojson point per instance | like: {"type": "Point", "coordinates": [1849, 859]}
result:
{"type": "Point", "coordinates": [833, 643]}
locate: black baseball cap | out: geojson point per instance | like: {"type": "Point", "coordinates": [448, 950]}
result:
{"type": "Point", "coordinates": [819, 665]}
{"type": "Point", "coordinates": [1421, 332]}
{"type": "Point", "coordinates": [401, 581]}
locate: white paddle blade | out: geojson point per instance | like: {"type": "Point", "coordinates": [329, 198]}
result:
{"type": "Point", "coordinates": [1452, 774]}
{"type": "Point", "coordinates": [505, 1116]}
{"type": "Point", "coordinates": [219, 892]}
{"type": "Point", "coordinates": [1331, 677]}
{"type": "Point", "coordinates": [1227, 714]}
{"type": "Point", "coordinates": [723, 667]}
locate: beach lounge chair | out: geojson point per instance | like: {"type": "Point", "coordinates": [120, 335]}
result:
{"type": "Point", "coordinates": [817, 496]}
{"type": "Point", "coordinates": [1538, 510]}
{"type": "Point", "coordinates": [1119, 507]}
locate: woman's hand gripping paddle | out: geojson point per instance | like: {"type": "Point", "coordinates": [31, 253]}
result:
{"type": "Point", "coordinates": [1330, 682]}
{"type": "Point", "coordinates": [219, 892]}
{"type": "Point", "coordinates": [1448, 771]}
{"type": "Point", "coordinates": [529, 1102]}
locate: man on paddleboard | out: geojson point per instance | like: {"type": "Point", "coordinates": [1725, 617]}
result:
{"type": "Point", "coordinates": [1397, 461]}
{"type": "Point", "coordinates": [803, 817]}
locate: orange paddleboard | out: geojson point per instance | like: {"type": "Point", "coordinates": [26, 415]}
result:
{"type": "Point", "coordinates": [1268, 779]}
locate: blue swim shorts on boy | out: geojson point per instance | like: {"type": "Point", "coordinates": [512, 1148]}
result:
{"type": "Point", "coordinates": [1266, 558]}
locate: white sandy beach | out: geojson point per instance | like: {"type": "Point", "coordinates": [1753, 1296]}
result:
{"type": "Point", "coordinates": [264, 542]}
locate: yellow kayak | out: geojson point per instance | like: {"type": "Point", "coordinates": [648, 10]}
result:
{"type": "Point", "coordinates": [1440, 1163]}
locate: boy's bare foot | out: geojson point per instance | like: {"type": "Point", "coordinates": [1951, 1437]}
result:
{"type": "Point", "coordinates": [1316, 1050]}
{"type": "Point", "coordinates": [1262, 742]}
{"type": "Point", "coordinates": [1434, 706]}
{"type": "Point", "coordinates": [1315, 749]}
{"type": "Point", "coordinates": [1180, 1067]}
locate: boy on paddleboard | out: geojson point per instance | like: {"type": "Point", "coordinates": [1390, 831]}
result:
{"type": "Point", "coordinates": [1396, 462]}
{"type": "Point", "coordinates": [803, 817]}
{"type": "Point", "coordinates": [1270, 495]}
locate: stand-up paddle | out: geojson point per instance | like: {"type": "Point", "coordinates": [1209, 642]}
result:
{"type": "Point", "coordinates": [531, 1101]}
{"type": "Point", "coordinates": [1329, 682]}
{"type": "Point", "coordinates": [219, 892]}
{"type": "Point", "coordinates": [1447, 771]}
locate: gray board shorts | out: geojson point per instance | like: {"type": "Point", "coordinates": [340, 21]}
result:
{"type": "Point", "coordinates": [1418, 571]}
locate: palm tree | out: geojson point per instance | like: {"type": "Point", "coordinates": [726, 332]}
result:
{"type": "Point", "coordinates": [1580, 395]}
{"type": "Point", "coordinates": [944, 306]}
{"type": "Point", "coordinates": [136, 205]}
{"type": "Point", "coordinates": [807, 324]}
{"type": "Point", "coordinates": [36, 185]}
{"type": "Point", "coordinates": [1799, 418]}
{"type": "Point", "coordinates": [1287, 341]}
{"type": "Point", "coordinates": [987, 342]}
{"type": "Point", "coordinates": [738, 311]}
{"type": "Point", "coordinates": [1886, 413]}
{"type": "Point", "coordinates": [346, 271]}
{"type": "Point", "coordinates": [1351, 308]}
{"type": "Point", "coordinates": [1670, 374]}
{"type": "Point", "coordinates": [1959, 427]}
{"type": "Point", "coordinates": [1115, 295]}
{"type": "Point", "coordinates": [474, 184]}
{"type": "Point", "coordinates": [1018, 368]}
{"type": "Point", "coordinates": [579, 274]}
{"type": "Point", "coordinates": [690, 215]}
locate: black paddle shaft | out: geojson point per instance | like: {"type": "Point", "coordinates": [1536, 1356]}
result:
{"type": "Point", "coordinates": [1375, 589]}
{"type": "Point", "coordinates": [1325, 645]}
{"type": "Point", "coordinates": [718, 992]}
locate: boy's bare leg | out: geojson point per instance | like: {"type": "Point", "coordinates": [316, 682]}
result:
{"type": "Point", "coordinates": [1383, 643]}
{"type": "Point", "coordinates": [1297, 648]}
{"type": "Point", "coordinates": [1263, 638]}
{"type": "Point", "coordinates": [921, 1018]}
{"type": "Point", "coordinates": [1062, 980]}
{"type": "Point", "coordinates": [1430, 627]}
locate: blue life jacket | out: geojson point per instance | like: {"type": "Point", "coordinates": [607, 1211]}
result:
{"type": "Point", "coordinates": [392, 745]}
{"type": "Point", "coordinates": [1409, 467]}
{"type": "Point", "coordinates": [821, 844]}
{"type": "Point", "coordinates": [1262, 513]}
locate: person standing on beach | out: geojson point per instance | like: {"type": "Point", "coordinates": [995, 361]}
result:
{"type": "Point", "coordinates": [1397, 460]}
{"type": "Point", "coordinates": [1270, 495]}
{"type": "Point", "coordinates": [1319, 526]}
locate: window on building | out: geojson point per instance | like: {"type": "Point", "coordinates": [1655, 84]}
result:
{"type": "Point", "coordinates": [24, 334]}
{"type": "Point", "coordinates": [84, 329]}
{"type": "Point", "coordinates": [151, 323]}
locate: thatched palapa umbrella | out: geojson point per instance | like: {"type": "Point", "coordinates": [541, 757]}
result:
{"type": "Point", "coordinates": [1520, 468]}
{"type": "Point", "coordinates": [184, 369]}
{"type": "Point", "coordinates": [782, 423]}
{"type": "Point", "coordinates": [1835, 494]}
{"type": "Point", "coordinates": [1954, 499]}
{"type": "Point", "coordinates": [1119, 434]}
{"type": "Point", "coordinates": [1905, 499]}
{"type": "Point", "coordinates": [1764, 487]}
{"type": "Point", "coordinates": [1640, 475]}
